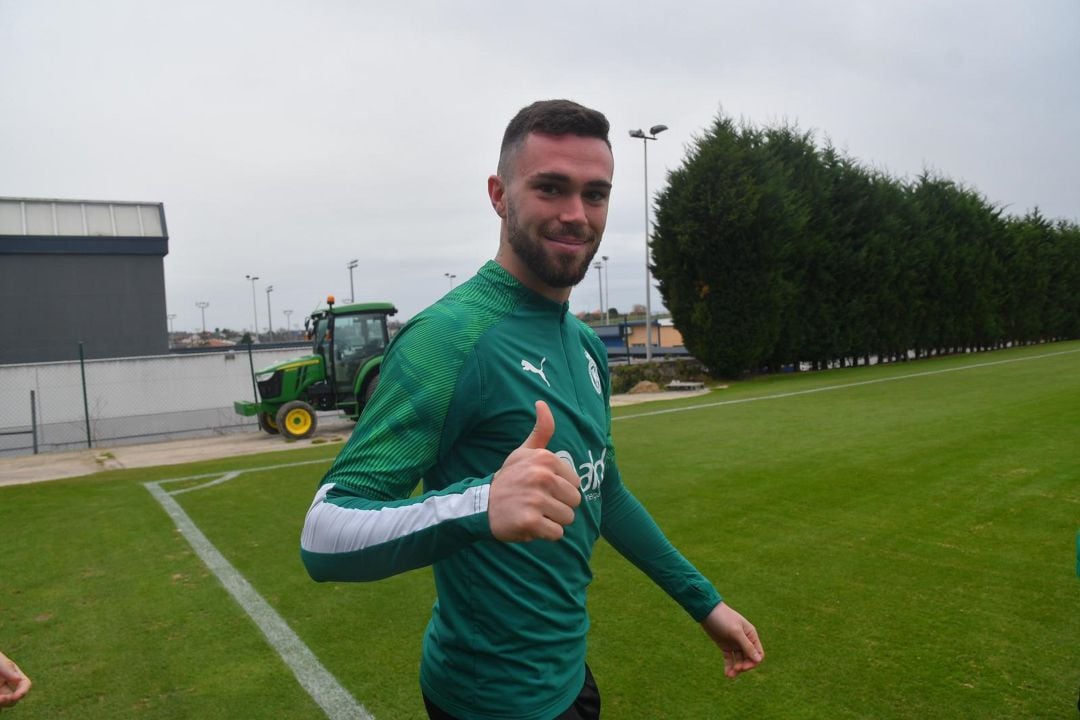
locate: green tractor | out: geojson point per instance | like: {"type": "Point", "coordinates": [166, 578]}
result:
{"type": "Point", "coordinates": [341, 373]}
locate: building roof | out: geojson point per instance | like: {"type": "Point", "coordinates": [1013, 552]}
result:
{"type": "Point", "coordinates": [82, 227]}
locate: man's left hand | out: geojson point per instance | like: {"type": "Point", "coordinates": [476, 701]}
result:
{"type": "Point", "coordinates": [736, 637]}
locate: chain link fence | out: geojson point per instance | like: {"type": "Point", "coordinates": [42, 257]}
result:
{"type": "Point", "coordinates": [117, 401]}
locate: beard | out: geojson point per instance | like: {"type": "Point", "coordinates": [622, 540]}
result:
{"type": "Point", "coordinates": [553, 269]}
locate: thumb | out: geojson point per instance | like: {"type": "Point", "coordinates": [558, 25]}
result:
{"type": "Point", "coordinates": [750, 644]}
{"type": "Point", "coordinates": [543, 430]}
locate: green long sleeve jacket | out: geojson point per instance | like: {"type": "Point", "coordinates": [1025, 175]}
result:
{"type": "Point", "coordinates": [507, 636]}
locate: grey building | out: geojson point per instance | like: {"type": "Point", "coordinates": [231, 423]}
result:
{"type": "Point", "coordinates": [85, 271]}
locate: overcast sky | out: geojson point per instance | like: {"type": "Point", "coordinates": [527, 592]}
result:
{"type": "Point", "coordinates": [286, 139]}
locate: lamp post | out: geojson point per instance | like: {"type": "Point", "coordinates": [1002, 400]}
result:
{"type": "Point", "coordinates": [254, 311]}
{"type": "Point", "coordinates": [600, 282]}
{"type": "Point", "coordinates": [288, 321]}
{"type": "Point", "coordinates": [607, 294]}
{"type": "Point", "coordinates": [450, 277]}
{"type": "Point", "coordinates": [202, 304]}
{"type": "Point", "coordinates": [352, 293]}
{"type": "Point", "coordinates": [269, 315]}
{"type": "Point", "coordinates": [171, 318]}
{"type": "Point", "coordinates": [653, 132]}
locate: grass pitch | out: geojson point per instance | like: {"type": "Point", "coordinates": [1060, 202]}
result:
{"type": "Point", "coordinates": [903, 537]}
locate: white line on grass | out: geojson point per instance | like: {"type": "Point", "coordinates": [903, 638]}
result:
{"type": "Point", "coordinates": [223, 479]}
{"type": "Point", "coordinates": [840, 387]}
{"type": "Point", "coordinates": [323, 687]}
{"type": "Point", "coordinates": [245, 470]}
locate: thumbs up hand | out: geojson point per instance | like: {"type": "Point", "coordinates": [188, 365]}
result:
{"type": "Point", "coordinates": [534, 493]}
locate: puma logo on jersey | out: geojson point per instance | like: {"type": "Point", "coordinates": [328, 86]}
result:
{"type": "Point", "coordinates": [529, 367]}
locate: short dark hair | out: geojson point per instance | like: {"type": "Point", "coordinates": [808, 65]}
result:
{"type": "Point", "coordinates": [552, 117]}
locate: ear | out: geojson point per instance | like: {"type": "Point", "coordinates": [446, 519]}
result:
{"type": "Point", "coordinates": [497, 195]}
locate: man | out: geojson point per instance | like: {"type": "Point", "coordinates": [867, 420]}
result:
{"type": "Point", "coordinates": [498, 399]}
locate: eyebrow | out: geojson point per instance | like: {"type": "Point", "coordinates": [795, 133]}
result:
{"type": "Point", "coordinates": [561, 178]}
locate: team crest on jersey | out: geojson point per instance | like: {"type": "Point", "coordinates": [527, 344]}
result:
{"type": "Point", "coordinates": [594, 374]}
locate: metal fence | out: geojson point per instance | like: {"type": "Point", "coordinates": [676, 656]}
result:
{"type": "Point", "coordinates": [118, 401]}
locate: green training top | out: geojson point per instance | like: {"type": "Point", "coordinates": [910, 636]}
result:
{"type": "Point", "coordinates": [456, 396]}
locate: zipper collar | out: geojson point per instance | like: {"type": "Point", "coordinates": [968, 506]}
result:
{"type": "Point", "coordinates": [498, 275]}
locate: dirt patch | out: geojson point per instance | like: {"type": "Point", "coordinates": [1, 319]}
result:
{"type": "Point", "coordinates": [56, 466]}
{"type": "Point", "coordinates": [645, 387]}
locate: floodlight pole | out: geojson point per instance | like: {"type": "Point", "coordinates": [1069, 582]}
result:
{"type": "Point", "coordinates": [352, 292]}
{"type": "Point", "coordinates": [269, 315]}
{"type": "Point", "coordinates": [450, 277]}
{"type": "Point", "coordinates": [254, 309]}
{"type": "Point", "coordinates": [600, 283]}
{"type": "Point", "coordinates": [202, 305]}
{"type": "Point", "coordinates": [653, 132]}
{"type": "Point", "coordinates": [607, 294]}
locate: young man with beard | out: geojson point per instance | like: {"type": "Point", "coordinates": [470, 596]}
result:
{"type": "Point", "coordinates": [498, 400]}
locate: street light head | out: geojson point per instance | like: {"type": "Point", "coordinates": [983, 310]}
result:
{"type": "Point", "coordinates": [657, 129]}
{"type": "Point", "coordinates": [637, 134]}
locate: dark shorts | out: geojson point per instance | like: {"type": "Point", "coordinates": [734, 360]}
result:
{"type": "Point", "coordinates": [586, 705]}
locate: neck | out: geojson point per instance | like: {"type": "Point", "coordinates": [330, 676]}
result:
{"type": "Point", "coordinates": [513, 265]}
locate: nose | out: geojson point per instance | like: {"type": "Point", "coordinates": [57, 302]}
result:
{"type": "Point", "coordinates": [572, 211]}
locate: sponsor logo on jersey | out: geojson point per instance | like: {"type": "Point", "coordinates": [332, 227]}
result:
{"type": "Point", "coordinates": [594, 373]}
{"type": "Point", "coordinates": [590, 474]}
{"type": "Point", "coordinates": [529, 367]}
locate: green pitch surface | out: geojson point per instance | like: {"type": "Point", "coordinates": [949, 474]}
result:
{"type": "Point", "coordinates": [903, 537]}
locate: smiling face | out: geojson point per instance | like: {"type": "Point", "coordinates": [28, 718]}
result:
{"type": "Point", "coordinates": [554, 204]}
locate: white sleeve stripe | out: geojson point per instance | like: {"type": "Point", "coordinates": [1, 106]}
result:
{"type": "Point", "coordinates": [330, 528]}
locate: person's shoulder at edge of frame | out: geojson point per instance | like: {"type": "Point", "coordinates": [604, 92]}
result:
{"type": "Point", "coordinates": [451, 321]}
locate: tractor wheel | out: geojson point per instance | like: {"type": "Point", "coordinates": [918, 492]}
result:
{"type": "Point", "coordinates": [369, 390]}
{"type": "Point", "coordinates": [297, 420]}
{"type": "Point", "coordinates": [268, 424]}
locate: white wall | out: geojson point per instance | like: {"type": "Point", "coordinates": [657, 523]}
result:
{"type": "Point", "coordinates": [130, 397]}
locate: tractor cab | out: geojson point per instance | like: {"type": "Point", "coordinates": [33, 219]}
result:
{"type": "Point", "coordinates": [348, 338]}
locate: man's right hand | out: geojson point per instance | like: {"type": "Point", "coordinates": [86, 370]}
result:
{"type": "Point", "coordinates": [534, 493]}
